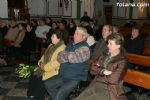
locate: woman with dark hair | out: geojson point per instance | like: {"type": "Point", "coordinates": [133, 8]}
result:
{"type": "Point", "coordinates": [49, 66]}
{"type": "Point", "coordinates": [109, 71]}
{"type": "Point", "coordinates": [135, 43]}
{"type": "Point", "coordinates": [29, 41]}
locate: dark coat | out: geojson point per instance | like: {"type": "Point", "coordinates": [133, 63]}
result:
{"type": "Point", "coordinates": [99, 49]}
{"type": "Point", "coordinates": [114, 82]}
{"type": "Point", "coordinates": [29, 42]}
{"type": "Point", "coordinates": [135, 46]}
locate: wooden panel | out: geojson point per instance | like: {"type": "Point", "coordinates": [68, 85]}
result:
{"type": "Point", "coordinates": [125, 31]}
{"type": "Point", "coordinates": [147, 51]}
{"type": "Point", "coordinates": [139, 59]}
{"type": "Point", "coordinates": [137, 78]}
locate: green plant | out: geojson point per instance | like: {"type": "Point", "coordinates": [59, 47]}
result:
{"type": "Point", "coordinates": [25, 71]}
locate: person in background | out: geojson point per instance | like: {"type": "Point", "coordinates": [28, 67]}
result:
{"type": "Point", "coordinates": [29, 42]}
{"type": "Point", "coordinates": [115, 29]}
{"type": "Point", "coordinates": [109, 71]}
{"type": "Point", "coordinates": [97, 30]}
{"type": "Point", "coordinates": [49, 34]}
{"type": "Point", "coordinates": [42, 29]}
{"type": "Point", "coordinates": [64, 31]}
{"type": "Point", "coordinates": [135, 43]}
{"type": "Point", "coordinates": [49, 66]}
{"type": "Point", "coordinates": [12, 33]}
{"type": "Point", "coordinates": [85, 22]}
{"type": "Point", "coordinates": [3, 31]}
{"type": "Point", "coordinates": [71, 27]}
{"type": "Point", "coordinates": [101, 45]}
{"type": "Point", "coordinates": [73, 68]}
{"type": "Point", "coordinates": [49, 21]}
{"type": "Point", "coordinates": [34, 23]}
{"type": "Point", "coordinates": [16, 45]}
{"type": "Point", "coordinates": [91, 42]}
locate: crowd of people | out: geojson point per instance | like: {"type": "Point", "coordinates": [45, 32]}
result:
{"type": "Point", "coordinates": [72, 53]}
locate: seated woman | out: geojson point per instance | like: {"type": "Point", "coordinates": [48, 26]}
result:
{"type": "Point", "coordinates": [109, 71]}
{"type": "Point", "coordinates": [135, 43]}
{"type": "Point", "coordinates": [49, 66]}
{"type": "Point", "coordinates": [14, 48]}
{"type": "Point", "coordinates": [12, 32]}
{"type": "Point", "coordinates": [29, 41]}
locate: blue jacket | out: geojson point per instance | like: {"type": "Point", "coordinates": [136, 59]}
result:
{"type": "Point", "coordinates": [75, 71]}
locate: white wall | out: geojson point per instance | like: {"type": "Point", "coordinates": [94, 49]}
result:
{"type": "Point", "coordinates": [52, 8]}
{"type": "Point", "coordinates": [37, 7]}
{"type": "Point", "coordinates": [87, 6]}
{"type": "Point", "coordinates": [3, 9]}
{"type": "Point", "coordinates": [74, 9]}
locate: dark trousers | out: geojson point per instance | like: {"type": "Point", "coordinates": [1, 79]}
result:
{"type": "Point", "coordinates": [58, 88]}
{"type": "Point", "coordinates": [16, 52]}
{"type": "Point", "coordinates": [36, 88]}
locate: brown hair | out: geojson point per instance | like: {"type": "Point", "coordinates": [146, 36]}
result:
{"type": "Point", "coordinates": [118, 38]}
{"type": "Point", "coordinates": [58, 33]}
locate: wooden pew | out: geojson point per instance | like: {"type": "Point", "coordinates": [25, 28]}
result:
{"type": "Point", "coordinates": [125, 31]}
{"type": "Point", "coordinates": [137, 77]}
{"type": "Point", "coordinates": [139, 59]}
{"type": "Point", "coordinates": [146, 52]}
{"type": "Point", "coordinates": [145, 30]}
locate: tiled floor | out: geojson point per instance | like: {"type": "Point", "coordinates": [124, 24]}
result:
{"type": "Point", "coordinates": [13, 88]}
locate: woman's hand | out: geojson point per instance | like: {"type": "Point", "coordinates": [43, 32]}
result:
{"type": "Point", "coordinates": [107, 72]}
{"type": "Point", "coordinates": [41, 65]}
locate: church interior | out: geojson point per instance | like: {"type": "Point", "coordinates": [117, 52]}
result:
{"type": "Point", "coordinates": [129, 18]}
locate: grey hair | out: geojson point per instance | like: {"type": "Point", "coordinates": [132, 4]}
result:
{"type": "Point", "coordinates": [84, 31]}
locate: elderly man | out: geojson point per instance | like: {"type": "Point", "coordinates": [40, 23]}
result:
{"type": "Point", "coordinates": [73, 69]}
{"type": "Point", "coordinates": [101, 46]}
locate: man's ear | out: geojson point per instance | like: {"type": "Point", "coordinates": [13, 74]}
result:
{"type": "Point", "coordinates": [84, 37]}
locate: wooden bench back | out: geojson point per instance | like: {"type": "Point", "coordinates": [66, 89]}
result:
{"type": "Point", "coordinates": [145, 30]}
{"type": "Point", "coordinates": [137, 77]}
{"type": "Point", "coordinates": [147, 51]}
{"type": "Point", "coordinates": [138, 59]}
